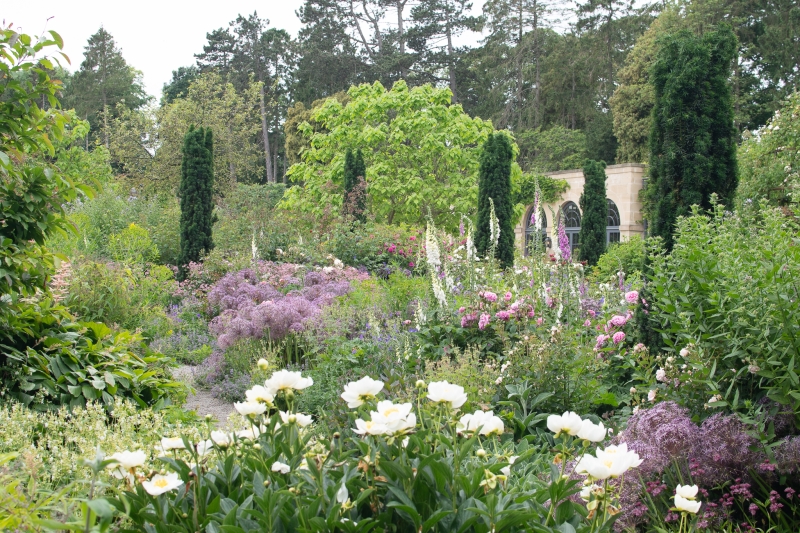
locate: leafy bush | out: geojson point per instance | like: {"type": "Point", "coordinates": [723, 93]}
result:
{"type": "Point", "coordinates": [132, 246]}
{"type": "Point", "coordinates": [627, 257]}
{"type": "Point", "coordinates": [728, 291]}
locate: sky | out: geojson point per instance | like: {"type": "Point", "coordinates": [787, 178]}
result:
{"type": "Point", "coordinates": [156, 37]}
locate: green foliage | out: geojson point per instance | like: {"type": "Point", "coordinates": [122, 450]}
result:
{"type": "Point", "coordinates": [131, 296]}
{"type": "Point", "coordinates": [421, 153]}
{"type": "Point", "coordinates": [553, 149]}
{"type": "Point", "coordinates": [594, 209]}
{"type": "Point", "coordinates": [197, 179]}
{"type": "Point", "coordinates": [523, 191]}
{"type": "Point", "coordinates": [693, 139]}
{"type": "Point", "coordinates": [728, 292]}
{"type": "Point", "coordinates": [626, 256]}
{"type": "Point", "coordinates": [494, 188]}
{"type": "Point", "coordinates": [769, 159]}
{"type": "Point", "coordinates": [133, 245]}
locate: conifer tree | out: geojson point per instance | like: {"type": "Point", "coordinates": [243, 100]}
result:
{"type": "Point", "coordinates": [355, 185]}
{"type": "Point", "coordinates": [594, 212]}
{"type": "Point", "coordinates": [197, 179]}
{"type": "Point", "coordinates": [693, 137]}
{"type": "Point", "coordinates": [494, 182]}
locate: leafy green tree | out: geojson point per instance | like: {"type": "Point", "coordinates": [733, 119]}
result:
{"type": "Point", "coordinates": [693, 140]}
{"type": "Point", "coordinates": [594, 212]}
{"type": "Point", "coordinates": [494, 191]}
{"type": "Point", "coordinates": [197, 177]}
{"type": "Point", "coordinates": [421, 153]}
{"type": "Point", "coordinates": [178, 86]}
{"type": "Point", "coordinates": [103, 81]}
{"type": "Point", "coordinates": [553, 149]}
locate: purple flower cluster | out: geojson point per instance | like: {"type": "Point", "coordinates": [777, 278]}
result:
{"type": "Point", "coordinates": [251, 306]}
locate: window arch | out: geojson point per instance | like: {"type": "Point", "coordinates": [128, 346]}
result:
{"type": "Point", "coordinates": [572, 224]}
{"type": "Point", "coordinates": [612, 225]}
{"type": "Point", "coordinates": [530, 229]}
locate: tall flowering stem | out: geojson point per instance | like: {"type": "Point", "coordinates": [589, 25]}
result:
{"type": "Point", "coordinates": [563, 240]}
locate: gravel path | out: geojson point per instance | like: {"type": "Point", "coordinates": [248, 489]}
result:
{"type": "Point", "coordinates": [202, 402]}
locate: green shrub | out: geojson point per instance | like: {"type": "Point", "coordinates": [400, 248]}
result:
{"type": "Point", "coordinates": [728, 295]}
{"type": "Point", "coordinates": [132, 245]}
{"type": "Point", "coordinates": [626, 256]}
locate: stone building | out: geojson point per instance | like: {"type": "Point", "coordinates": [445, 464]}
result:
{"type": "Point", "coordinates": [623, 183]}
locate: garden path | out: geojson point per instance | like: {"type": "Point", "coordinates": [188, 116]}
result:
{"type": "Point", "coordinates": [202, 401]}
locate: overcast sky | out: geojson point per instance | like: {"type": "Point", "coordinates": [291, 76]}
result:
{"type": "Point", "coordinates": [156, 37]}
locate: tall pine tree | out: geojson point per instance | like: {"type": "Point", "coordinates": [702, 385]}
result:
{"type": "Point", "coordinates": [693, 138]}
{"type": "Point", "coordinates": [594, 209]}
{"type": "Point", "coordinates": [494, 182]}
{"type": "Point", "coordinates": [197, 180]}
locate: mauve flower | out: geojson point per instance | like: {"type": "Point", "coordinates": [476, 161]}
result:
{"type": "Point", "coordinates": [651, 396]}
{"type": "Point", "coordinates": [631, 297]}
{"type": "Point", "coordinates": [618, 321]}
{"type": "Point", "coordinates": [618, 337]}
{"type": "Point", "coordinates": [490, 296]}
{"type": "Point", "coordinates": [484, 321]}
{"type": "Point", "coordinates": [508, 297]}
{"type": "Point", "coordinates": [503, 315]}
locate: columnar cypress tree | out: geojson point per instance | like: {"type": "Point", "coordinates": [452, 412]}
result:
{"type": "Point", "coordinates": [693, 138]}
{"type": "Point", "coordinates": [594, 209]}
{"type": "Point", "coordinates": [349, 173]}
{"type": "Point", "coordinates": [494, 182]}
{"type": "Point", "coordinates": [197, 179]}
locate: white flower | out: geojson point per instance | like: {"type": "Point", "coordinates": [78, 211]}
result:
{"type": "Point", "coordinates": [338, 263]}
{"type": "Point", "coordinates": [222, 439]}
{"type": "Point", "coordinates": [686, 491]}
{"type": "Point", "coordinates": [633, 390]}
{"type": "Point", "coordinates": [283, 468]}
{"type": "Point", "coordinates": [661, 375]}
{"type": "Point", "coordinates": [203, 447]}
{"type": "Point", "coordinates": [287, 380]}
{"type": "Point", "coordinates": [444, 392]}
{"type": "Point", "coordinates": [592, 432]}
{"type": "Point", "coordinates": [610, 462]}
{"type": "Point", "coordinates": [370, 427]}
{"type": "Point", "coordinates": [397, 417]}
{"type": "Point", "coordinates": [161, 484]}
{"type": "Point", "coordinates": [685, 505]}
{"type": "Point", "coordinates": [127, 460]}
{"type": "Point", "coordinates": [486, 422]}
{"type": "Point", "coordinates": [587, 490]}
{"type": "Point", "coordinates": [356, 392]}
{"type": "Point", "coordinates": [506, 470]}
{"type": "Point", "coordinates": [296, 418]}
{"type": "Point", "coordinates": [651, 396]}
{"type": "Point", "coordinates": [259, 393]}
{"type": "Point", "coordinates": [251, 433]}
{"type": "Point", "coordinates": [172, 443]}
{"type": "Point", "coordinates": [250, 408]}
{"type": "Point", "coordinates": [342, 495]}
{"type": "Point", "coordinates": [684, 352]}
{"type": "Point", "coordinates": [569, 423]}
{"type": "Point", "coordinates": [263, 364]}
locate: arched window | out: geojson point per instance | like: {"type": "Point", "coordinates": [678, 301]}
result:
{"type": "Point", "coordinates": [530, 229]}
{"type": "Point", "coordinates": [612, 226]}
{"type": "Point", "coordinates": [572, 225]}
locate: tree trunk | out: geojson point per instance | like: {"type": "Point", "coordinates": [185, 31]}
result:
{"type": "Point", "coordinates": [267, 151]}
{"type": "Point", "coordinates": [537, 106]}
{"type": "Point", "coordinates": [401, 4]}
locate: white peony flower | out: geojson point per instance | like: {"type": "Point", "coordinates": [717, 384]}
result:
{"type": "Point", "coordinates": [587, 490]}
{"type": "Point", "coordinates": [172, 443]}
{"type": "Point", "coordinates": [296, 418]}
{"type": "Point", "coordinates": [250, 408]}
{"type": "Point", "coordinates": [444, 392]}
{"type": "Point", "coordinates": [569, 423]}
{"type": "Point", "coordinates": [370, 427]}
{"type": "Point", "coordinates": [610, 462]}
{"type": "Point", "coordinates": [221, 439]}
{"type": "Point", "coordinates": [203, 447]}
{"type": "Point", "coordinates": [259, 393]}
{"type": "Point", "coordinates": [283, 380]}
{"type": "Point", "coordinates": [128, 460]}
{"type": "Point", "coordinates": [592, 432]}
{"type": "Point", "coordinates": [397, 417]}
{"type": "Point", "coordinates": [686, 491]}
{"type": "Point", "coordinates": [685, 505]}
{"type": "Point", "coordinates": [357, 392]}
{"type": "Point", "coordinates": [484, 422]}
{"type": "Point", "coordinates": [283, 468]}
{"type": "Point", "coordinates": [162, 483]}
{"type": "Point", "coordinates": [251, 433]}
